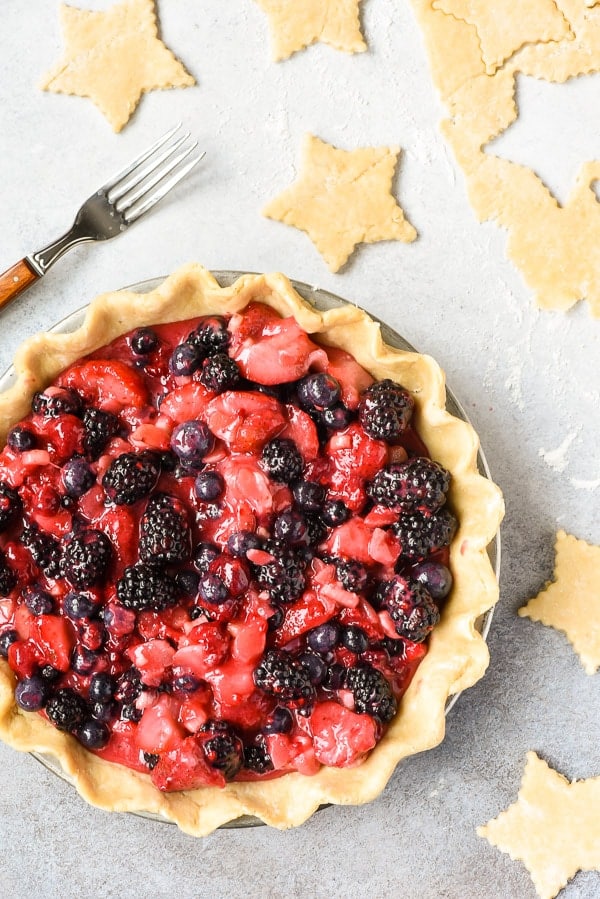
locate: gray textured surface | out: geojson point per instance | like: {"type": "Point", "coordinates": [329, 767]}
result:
{"type": "Point", "coordinates": [530, 381]}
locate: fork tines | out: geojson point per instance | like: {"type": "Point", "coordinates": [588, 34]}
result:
{"type": "Point", "coordinates": [153, 174]}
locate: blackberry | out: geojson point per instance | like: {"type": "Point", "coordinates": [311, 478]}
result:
{"type": "Point", "coordinates": [372, 693]}
{"type": "Point", "coordinates": [8, 578]}
{"type": "Point", "coordinates": [129, 686]}
{"type": "Point", "coordinates": [282, 460]}
{"type": "Point", "coordinates": [223, 750]}
{"type": "Point", "coordinates": [150, 760]}
{"type": "Point", "coordinates": [210, 335]}
{"type": "Point", "coordinates": [86, 557]}
{"type": "Point", "coordinates": [131, 713]}
{"type": "Point", "coordinates": [420, 534]}
{"type": "Point", "coordinates": [100, 427]}
{"type": "Point", "coordinates": [351, 575]}
{"type": "Point", "coordinates": [411, 608]}
{"type": "Point", "coordinates": [316, 531]}
{"type": "Point", "coordinates": [385, 410]}
{"type": "Point", "coordinates": [21, 439]}
{"type": "Point", "coordinates": [165, 535]}
{"type": "Point", "coordinates": [257, 758]}
{"type": "Point", "coordinates": [56, 401]}
{"type": "Point", "coordinates": [66, 709]}
{"type": "Point", "coordinates": [44, 549]}
{"type": "Point", "coordinates": [285, 678]}
{"type": "Point", "coordinates": [283, 577]}
{"type": "Point", "coordinates": [220, 373]}
{"type": "Point", "coordinates": [144, 587]}
{"type": "Point", "coordinates": [418, 484]}
{"type": "Point", "coordinates": [10, 505]}
{"type": "Point", "coordinates": [130, 477]}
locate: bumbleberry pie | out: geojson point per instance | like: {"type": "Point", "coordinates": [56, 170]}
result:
{"type": "Point", "coordinates": [242, 553]}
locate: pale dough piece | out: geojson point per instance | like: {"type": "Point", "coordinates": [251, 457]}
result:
{"type": "Point", "coordinates": [553, 827]}
{"type": "Point", "coordinates": [503, 27]}
{"type": "Point", "coordinates": [113, 57]}
{"type": "Point", "coordinates": [343, 198]}
{"type": "Point", "coordinates": [557, 248]}
{"type": "Point", "coordinates": [571, 603]}
{"type": "Point", "coordinates": [295, 24]}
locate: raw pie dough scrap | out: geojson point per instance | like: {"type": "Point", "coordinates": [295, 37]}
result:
{"type": "Point", "coordinates": [113, 57]}
{"type": "Point", "coordinates": [553, 827]}
{"type": "Point", "coordinates": [295, 24]}
{"type": "Point", "coordinates": [572, 602]}
{"type": "Point", "coordinates": [343, 198]}
{"type": "Point", "coordinates": [557, 248]}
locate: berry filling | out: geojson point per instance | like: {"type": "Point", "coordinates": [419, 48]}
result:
{"type": "Point", "coordinates": [222, 550]}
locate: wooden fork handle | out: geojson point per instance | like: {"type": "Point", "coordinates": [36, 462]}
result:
{"type": "Point", "coordinates": [15, 280]}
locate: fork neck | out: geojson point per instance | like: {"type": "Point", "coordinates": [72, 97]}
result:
{"type": "Point", "coordinates": [42, 259]}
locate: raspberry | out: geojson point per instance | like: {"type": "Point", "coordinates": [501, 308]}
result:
{"type": "Point", "coordinates": [219, 373]}
{"type": "Point", "coordinates": [385, 410]}
{"type": "Point", "coordinates": [210, 336]}
{"type": "Point", "coordinates": [100, 427]}
{"type": "Point", "coordinates": [420, 534]}
{"type": "Point", "coordinates": [372, 693]}
{"type": "Point", "coordinates": [57, 401]}
{"type": "Point", "coordinates": [8, 578]}
{"type": "Point", "coordinates": [418, 484]}
{"type": "Point", "coordinates": [282, 460]}
{"type": "Point", "coordinates": [86, 558]}
{"type": "Point", "coordinates": [283, 576]}
{"type": "Point", "coordinates": [257, 758]}
{"type": "Point", "coordinates": [66, 709]}
{"type": "Point", "coordinates": [143, 587]}
{"type": "Point", "coordinates": [285, 678]}
{"type": "Point", "coordinates": [10, 505]}
{"type": "Point", "coordinates": [164, 531]}
{"type": "Point", "coordinates": [223, 751]}
{"type": "Point", "coordinates": [130, 477]}
{"type": "Point", "coordinates": [411, 608]}
{"type": "Point", "coordinates": [44, 549]}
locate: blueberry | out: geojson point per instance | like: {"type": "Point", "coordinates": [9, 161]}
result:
{"type": "Point", "coordinates": [241, 542]}
{"type": "Point", "coordinates": [191, 441]}
{"type": "Point", "coordinates": [204, 554]}
{"type": "Point", "coordinates": [102, 687]}
{"type": "Point", "coordinates": [57, 401]}
{"type": "Point", "coordinates": [324, 638]}
{"type": "Point", "coordinates": [93, 734]}
{"type": "Point", "coordinates": [21, 439]}
{"type": "Point", "coordinates": [334, 512]}
{"type": "Point", "coordinates": [309, 495]}
{"type": "Point", "coordinates": [187, 582]}
{"type": "Point", "coordinates": [335, 419]}
{"type": "Point", "coordinates": [7, 638]}
{"type": "Point", "coordinates": [31, 693]}
{"type": "Point", "coordinates": [49, 673]}
{"type": "Point", "coordinates": [143, 341]}
{"type": "Point", "coordinates": [209, 485]}
{"type": "Point", "coordinates": [318, 391]}
{"type": "Point", "coordinates": [280, 721]}
{"type": "Point", "coordinates": [79, 605]}
{"type": "Point", "coordinates": [212, 590]}
{"type": "Point", "coordinates": [335, 677]}
{"type": "Point", "coordinates": [77, 477]}
{"type": "Point", "coordinates": [38, 602]}
{"type": "Point", "coordinates": [186, 684]}
{"type": "Point", "coordinates": [436, 578]}
{"type": "Point", "coordinates": [104, 711]}
{"type": "Point", "coordinates": [275, 620]}
{"type": "Point", "coordinates": [185, 359]}
{"type": "Point", "coordinates": [83, 661]}
{"type": "Point", "coordinates": [354, 638]}
{"type": "Point", "coordinates": [290, 527]}
{"type": "Point", "coordinates": [316, 667]}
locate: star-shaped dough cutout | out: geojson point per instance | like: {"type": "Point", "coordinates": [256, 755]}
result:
{"type": "Point", "coordinates": [295, 24]}
{"type": "Point", "coordinates": [572, 602]}
{"type": "Point", "coordinates": [553, 827]}
{"type": "Point", "coordinates": [502, 31]}
{"type": "Point", "coordinates": [113, 57]}
{"type": "Point", "coordinates": [343, 198]}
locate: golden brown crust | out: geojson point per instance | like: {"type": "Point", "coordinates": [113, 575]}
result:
{"type": "Point", "coordinates": [457, 656]}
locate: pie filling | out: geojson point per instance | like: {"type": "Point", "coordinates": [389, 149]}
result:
{"type": "Point", "coordinates": [222, 550]}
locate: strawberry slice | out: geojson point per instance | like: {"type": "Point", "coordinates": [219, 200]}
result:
{"type": "Point", "coordinates": [107, 383]}
{"type": "Point", "coordinates": [303, 431]}
{"type": "Point", "coordinates": [22, 658]}
{"type": "Point", "coordinates": [185, 768]}
{"type": "Point", "coordinates": [208, 647]}
{"type": "Point", "coordinates": [354, 458]}
{"type": "Point", "coordinates": [152, 658]}
{"type": "Point", "coordinates": [351, 540]}
{"type": "Point", "coordinates": [186, 403]}
{"type": "Point", "coordinates": [365, 617]}
{"type": "Point", "coordinates": [53, 639]}
{"type": "Point", "coordinates": [309, 611]}
{"type": "Point", "coordinates": [352, 377]}
{"type": "Point", "coordinates": [341, 737]}
{"type": "Point", "coordinates": [245, 421]}
{"type": "Point", "coordinates": [158, 729]}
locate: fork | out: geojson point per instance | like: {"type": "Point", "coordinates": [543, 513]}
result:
{"type": "Point", "coordinates": [112, 208]}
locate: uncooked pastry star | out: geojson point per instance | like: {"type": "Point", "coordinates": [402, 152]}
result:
{"type": "Point", "coordinates": [297, 23]}
{"type": "Point", "coordinates": [113, 57]}
{"type": "Point", "coordinates": [572, 602]}
{"type": "Point", "coordinates": [501, 32]}
{"type": "Point", "coordinates": [343, 198]}
{"type": "Point", "coordinates": [553, 827]}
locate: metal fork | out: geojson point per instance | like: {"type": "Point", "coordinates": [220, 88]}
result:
{"type": "Point", "coordinates": [110, 210]}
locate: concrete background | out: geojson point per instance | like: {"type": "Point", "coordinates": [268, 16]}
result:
{"type": "Point", "coordinates": [530, 381]}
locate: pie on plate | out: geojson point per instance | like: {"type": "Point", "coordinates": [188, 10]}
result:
{"type": "Point", "coordinates": [243, 551]}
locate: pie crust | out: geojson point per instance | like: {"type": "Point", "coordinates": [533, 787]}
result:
{"type": "Point", "coordinates": [457, 655]}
